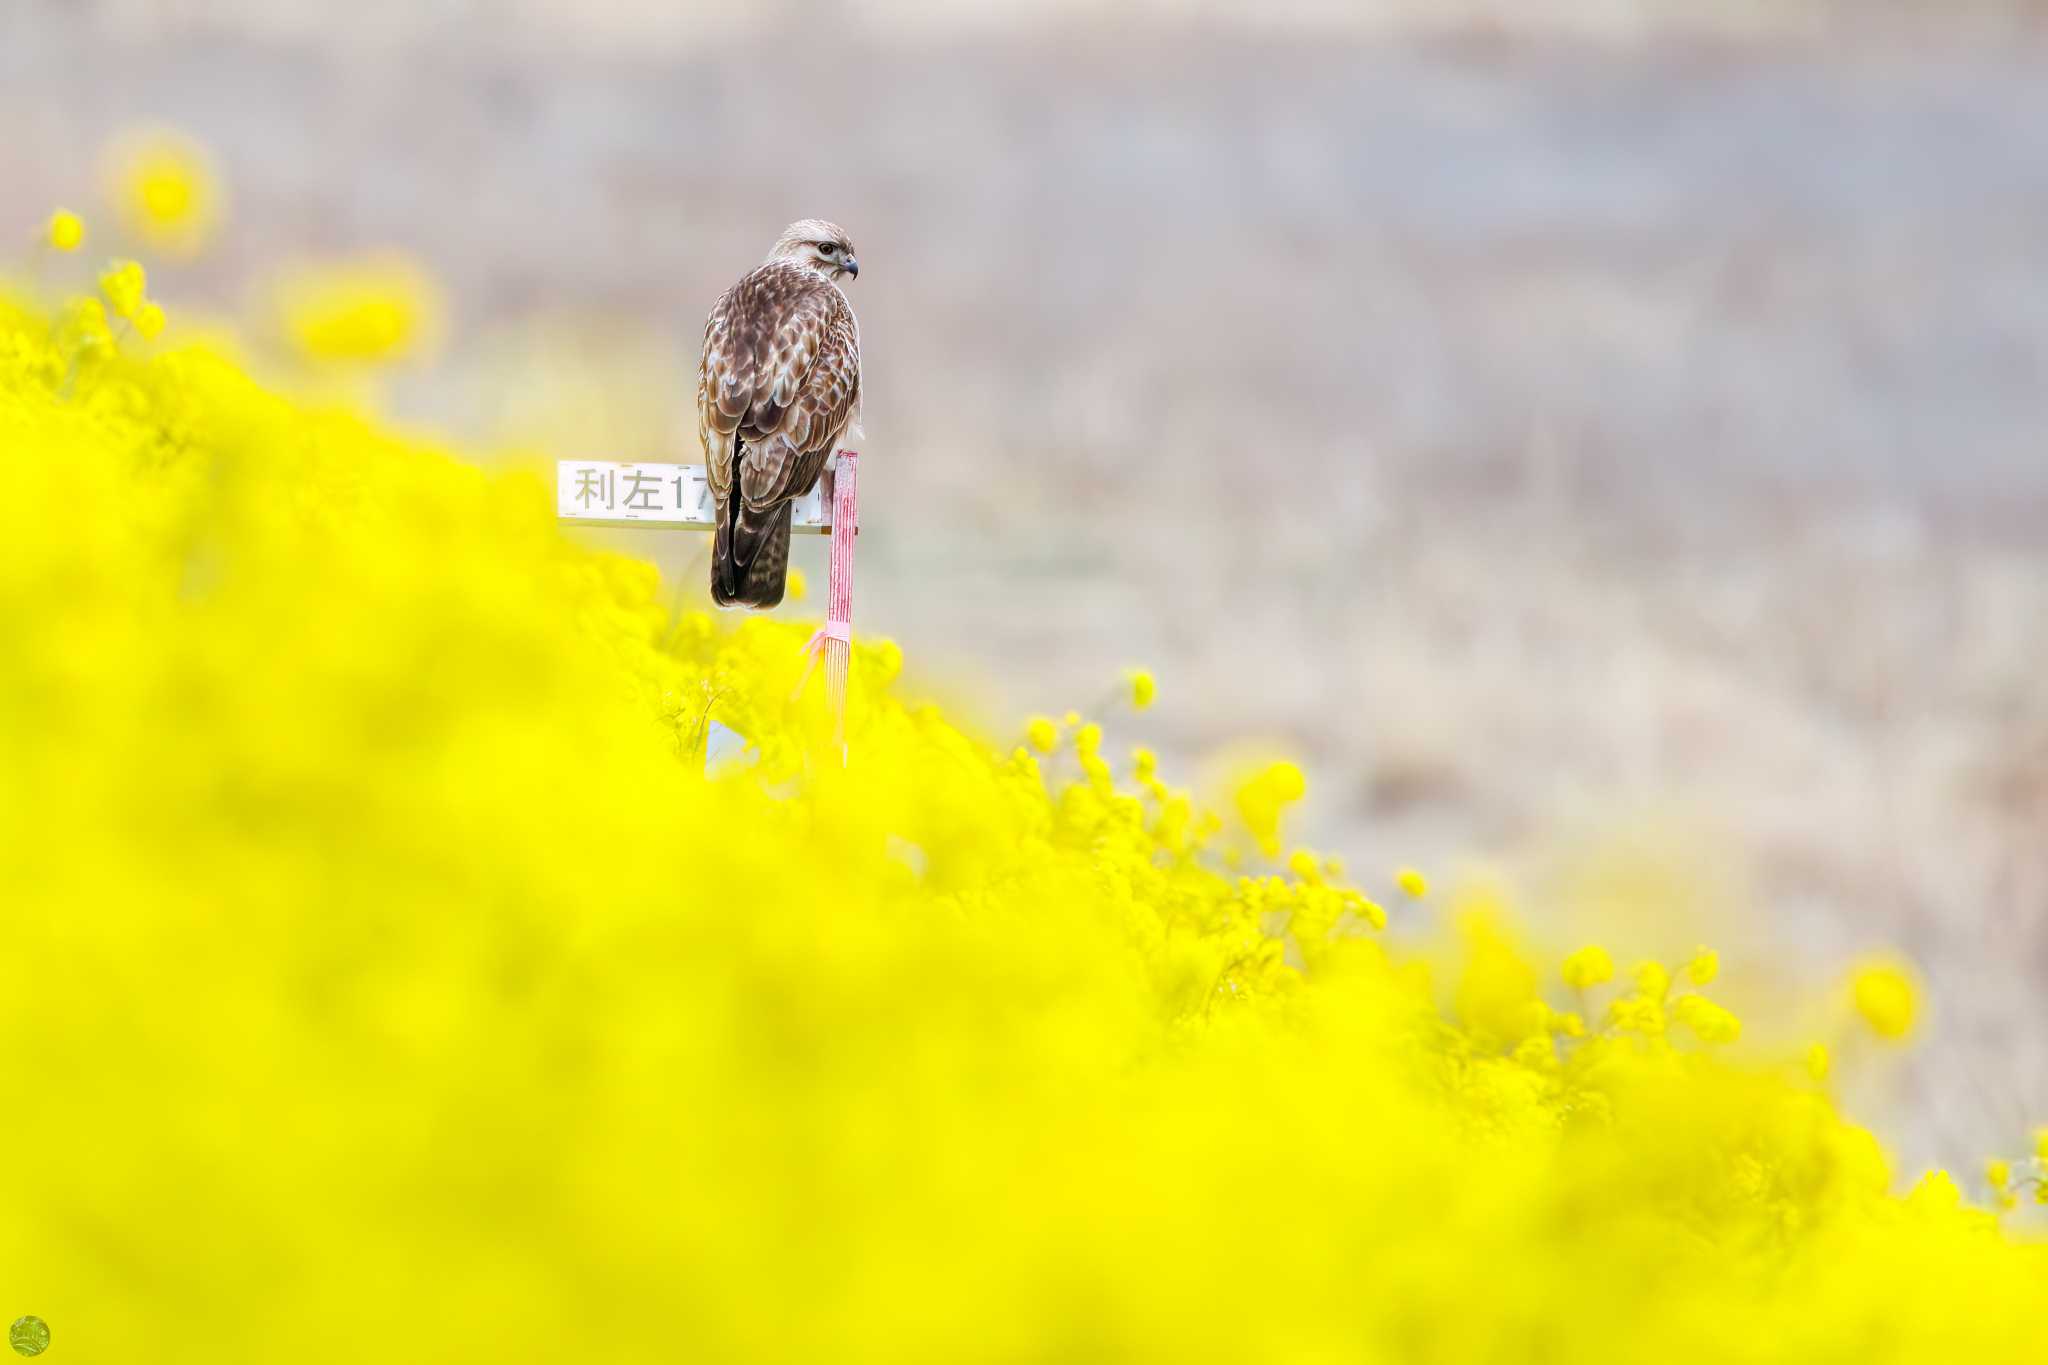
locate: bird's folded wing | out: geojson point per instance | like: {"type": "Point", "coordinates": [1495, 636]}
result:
{"type": "Point", "coordinates": [813, 381]}
{"type": "Point", "coordinates": [781, 373]}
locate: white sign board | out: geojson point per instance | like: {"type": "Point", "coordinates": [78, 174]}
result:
{"type": "Point", "coordinates": [607, 493]}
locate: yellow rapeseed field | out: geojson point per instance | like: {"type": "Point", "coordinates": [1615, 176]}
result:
{"type": "Point", "coordinates": [387, 980]}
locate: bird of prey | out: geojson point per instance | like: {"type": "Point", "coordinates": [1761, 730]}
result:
{"type": "Point", "coordinates": [779, 383]}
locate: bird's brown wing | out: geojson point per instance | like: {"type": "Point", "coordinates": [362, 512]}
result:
{"type": "Point", "coordinates": [725, 380]}
{"type": "Point", "coordinates": [780, 377]}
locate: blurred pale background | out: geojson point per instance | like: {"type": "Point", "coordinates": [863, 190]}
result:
{"type": "Point", "coordinates": [1605, 440]}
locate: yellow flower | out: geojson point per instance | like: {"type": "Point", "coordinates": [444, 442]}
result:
{"type": "Point", "coordinates": [65, 231]}
{"type": "Point", "coordinates": [1170, 831]}
{"type": "Point", "coordinates": [1043, 733]}
{"type": "Point", "coordinates": [1998, 1174]}
{"type": "Point", "coordinates": [125, 286]}
{"type": "Point", "coordinates": [1886, 998]}
{"type": "Point", "coordinates": [83, 328]}
{"type": "Point", "coordinates": [933, 977]}
{"type": "Point", "coordinates": [798, 584]}
{"type": "Point", "coordinates": [1653, 979]}
{"type": "Point", "coordinates": [1305, 866]}
{"type": "Point", "coordinates": [1588, 967]}
{"type": "Point", "coordinates": [1496, 984]}
{"type": "Point", "coordinates": [1704, 966]}
{"type": "Point", "coordinates": [1638, 1014]}
{"type": "Point", "coordinates": [2041, 1144]}
{"type": "Point", "coordinates": [1263, 798]}
{"type": "Point", "coordinates": [165, 189]}
{"type": "Point", "coordinates": [888, 659]}
{"type": "Point", "coordinates": [1143, 687]}
{"type": "Point", "coordinates": [1144, 764]}
{"type": "Point", "coordinates": [1935, 1191]}
{"type": "Point", "coordinates": [1817, 1061]}
{"type": "Point", "coordinates": [1709, 1022]}
{"type": "Point", "coordinates": [149, 320]}
{"type": "Point", "coordinates": [1413, 882]}
{"type": "Point", "coordinates": [371, 310]}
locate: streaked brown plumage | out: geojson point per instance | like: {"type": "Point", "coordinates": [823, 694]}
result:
{"type": "Point", "coordinates": [778, 385]}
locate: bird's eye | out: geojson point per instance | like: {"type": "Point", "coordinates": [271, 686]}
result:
{"type": "Point", "coordinates": [828, 248]}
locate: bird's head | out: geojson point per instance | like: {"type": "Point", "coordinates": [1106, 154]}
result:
{"type": "Point", "coordinates": [818, 244]}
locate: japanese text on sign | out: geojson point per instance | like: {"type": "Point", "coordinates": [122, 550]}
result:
{"type": "Point", "coordinates": [661, 495]}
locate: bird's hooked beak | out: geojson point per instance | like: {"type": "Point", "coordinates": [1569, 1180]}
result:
{"type": "Point", "coordinates": [852, 266]}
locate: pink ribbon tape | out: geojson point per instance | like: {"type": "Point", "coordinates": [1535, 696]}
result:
{"type": "Point", "coordinates": [841, 631]}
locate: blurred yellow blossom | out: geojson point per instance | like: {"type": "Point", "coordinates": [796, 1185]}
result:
{"type": "Point", "coordinates": [382, 939]}
{"type": "Point", "coordinates": [125, 286]}
{"type": "Point", "coordinates": [2041, 1144]}
{"type": "Point", "coordinates": [1709, 1022]}
{"type": "Point", "coordinates": [1936, 1190]}
{"type": "Point", "coordinates": [65, 231]}
{"type": "Point", "coordinates": [1043, 733]}
{"type": "Point", "coordinates": [1262, 798]}
{"type": "Point", "coordinates": [1496, 984]}
{"type": "Point", "coordinates": [1638, 1014]}
{"type": "Point", "coordinates": [798, 584]}
{"type": "Point", "coordinates": [149, 320]}
{"type": "Point", "coordinates": [1703, 967]}
{"type": "Point", "coordinates": [83, 327]}
{"type": "Point", "coordinates": [374, 309]}
{"type": "Point", "coordinates": [888, 659]}
{"type": "Point", "coordinates": [1886, 997]}
{"type": "Point", "coordinates": [1144, 688]}
{"type": "Point", "coordinates": [164, 189]}
{"type": "Point", "coordinates": [1653, 979]}
{"type": "Point", "coordinates": [1817, 1061]}
{"type": "Point", "coordinates": [1412, 882]}
{"type": "Point", "coordinates": [1588, 967]}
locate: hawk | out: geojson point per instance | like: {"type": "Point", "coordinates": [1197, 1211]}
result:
{"type": "Point", "coordinates": [779, 383]}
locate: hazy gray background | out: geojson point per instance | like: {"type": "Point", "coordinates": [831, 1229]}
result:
{"type": "Point", "coordinates": [1605, 439]}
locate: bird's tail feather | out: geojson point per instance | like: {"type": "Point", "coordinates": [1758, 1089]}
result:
{"type": "Point", "coordinates": [750, 554]}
